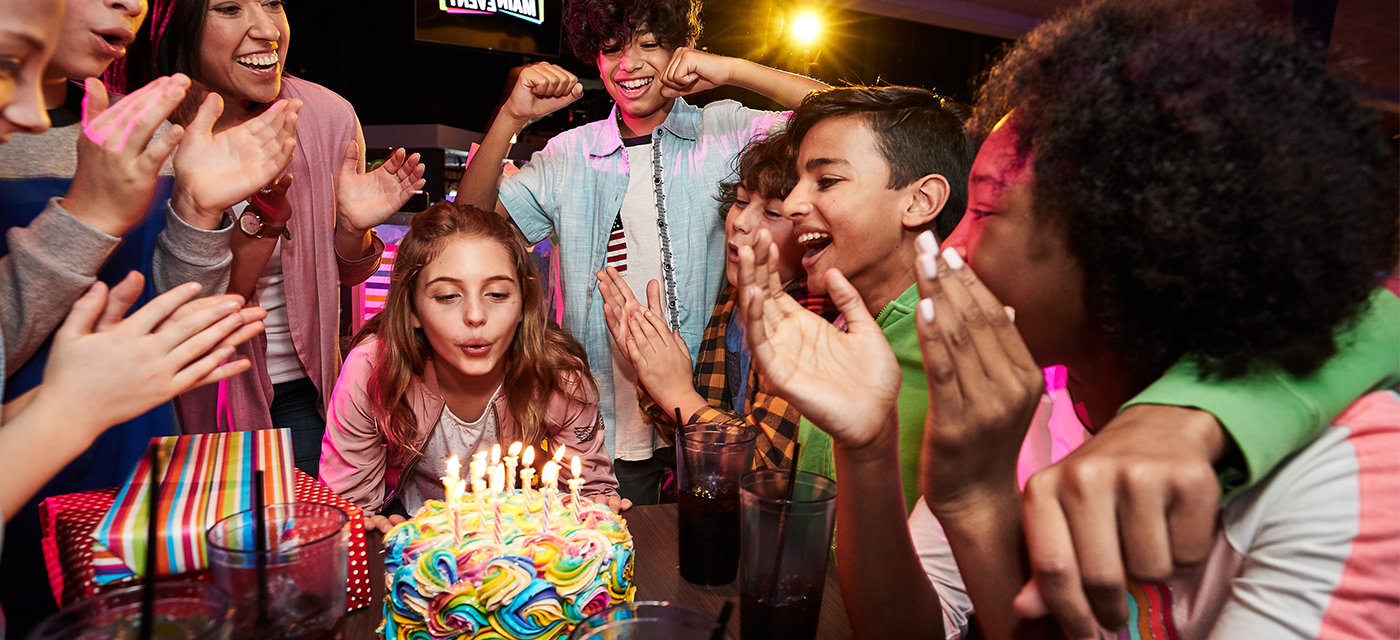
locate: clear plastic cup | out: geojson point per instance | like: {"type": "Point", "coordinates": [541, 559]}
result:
{"type": "Point", "coordinates": [785, 545]}
{"type": "Point", "coordinates": [184, 611]}
{"type": "Point", "coordinates": [305, 563]}
{"type": "Point", "coordinates": [710, 460]}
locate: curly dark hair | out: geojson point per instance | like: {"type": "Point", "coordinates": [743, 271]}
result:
{"type": "Point", "coordinates": [1230, 202]}
{"type": "Point", "coordinates": [764, 168]}
{"type": "Point", "coordinates": [591, 24]}
{"type": "Point", "coordinates": [918, 132]}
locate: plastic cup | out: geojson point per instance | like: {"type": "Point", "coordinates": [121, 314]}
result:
{"type": "Point", "coordinates": [645, 620]}
{"type": "Point", "coordinates": [784, 550]}
{"type": "Point", "coordinates": [306, 565]}
{"type": "Point", "coordinates": [184, 611]}
{"type": "Point", "coordinates": [710, 460]}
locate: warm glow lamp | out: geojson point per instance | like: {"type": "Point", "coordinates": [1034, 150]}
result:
{"type": "Point", "coordinates": [806, 28]}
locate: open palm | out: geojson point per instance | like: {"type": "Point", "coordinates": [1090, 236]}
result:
{"type": "Point", "coordinates": [367, 200]}
{"type": "Point", "coordinates": [219, 170]}
{"type": "Point", "coordinates": [837, 379]}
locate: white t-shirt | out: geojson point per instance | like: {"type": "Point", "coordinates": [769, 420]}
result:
{"type": "Point", "coordinates": [452, 436]}
{"type": "Point", "coordinates": [283, 365]}
{"type": "Point", "coordinates": [636, 438]}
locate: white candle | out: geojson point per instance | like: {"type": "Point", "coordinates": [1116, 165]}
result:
{"type": "Point", "coordinates": [511, 461]}
{"type": "Point", "coordinates": [574, 484]}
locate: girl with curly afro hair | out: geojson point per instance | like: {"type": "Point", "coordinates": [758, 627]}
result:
{"type": "Point", "coordinates": [1154, 186]}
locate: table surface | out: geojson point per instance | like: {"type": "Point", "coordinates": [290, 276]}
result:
{"type": "Point", "coordinates": [655, 574]}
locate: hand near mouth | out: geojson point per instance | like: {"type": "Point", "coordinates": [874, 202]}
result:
{"type": "Point", "coordinates": [694, 71]}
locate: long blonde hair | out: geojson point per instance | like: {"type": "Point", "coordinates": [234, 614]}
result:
{"type": "Point", "coordinates": [541, 355]}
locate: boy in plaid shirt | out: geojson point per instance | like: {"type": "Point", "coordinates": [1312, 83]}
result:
{"type": "Point", "coordinates": [724, 388]}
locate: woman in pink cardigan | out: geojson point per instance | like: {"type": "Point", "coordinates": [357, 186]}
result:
{"type": "Point", "coordinates": [297, 242]}
{"type": "Point", "coordinates": [462, 357]}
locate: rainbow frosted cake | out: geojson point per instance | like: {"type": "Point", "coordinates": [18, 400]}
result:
{"type": "Point", "coordinates": [509, 577]}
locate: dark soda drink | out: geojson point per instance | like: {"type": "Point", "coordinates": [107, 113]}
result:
{"type": "Point", "coordinates": [709, 537]}
{"type": "Point", "coordinates": [793, 618]}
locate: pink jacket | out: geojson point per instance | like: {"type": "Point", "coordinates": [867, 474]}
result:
{"type": "Point", "coordinates": [311, 271]}
{"type": "Point", "coordinates": [354, 454]}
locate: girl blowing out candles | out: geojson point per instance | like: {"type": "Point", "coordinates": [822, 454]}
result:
{"type": "Point", "coordinates": [461, 358]}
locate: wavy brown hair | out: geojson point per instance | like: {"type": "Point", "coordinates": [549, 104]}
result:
{"type": "Point", "coordinates": [542, 356]}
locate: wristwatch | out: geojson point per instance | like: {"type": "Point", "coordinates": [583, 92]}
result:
{"type": "Point", "coordinates": [252, 224]}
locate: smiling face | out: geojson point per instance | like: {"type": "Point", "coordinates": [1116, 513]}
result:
{"type": "Point", "coordinates": [467, 301]}
{"type": "Point", "coordinates": [632, 71]}
{"type": "Point", "coordinates": [241, 51]}
{"type": "Point", "coordinates": [1021, 256]}
{"type": "Point", "coordinates": [28, 32]}
{"type": "Point", "coordinates": [847, 216]}
{"type": "Point", "coordinates": [95, 33]}
{"type": "Point", "coordinates": [749, 214]}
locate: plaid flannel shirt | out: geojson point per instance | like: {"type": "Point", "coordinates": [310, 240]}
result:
{"type": "Point", "coordinates": [775, 419]}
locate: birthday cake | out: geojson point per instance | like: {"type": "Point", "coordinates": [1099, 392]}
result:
{"type": "Point", "coordinates": [512, 567]}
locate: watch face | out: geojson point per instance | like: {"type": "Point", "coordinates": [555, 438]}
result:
{"type": "Point", "coordinates": [250, 223]}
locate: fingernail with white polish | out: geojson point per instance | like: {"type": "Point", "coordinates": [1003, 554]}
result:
{"type": "Point", "coordinates": [927, 243]}
{"type": "Point", "coordinates": [951, 257]}
{"type": "Point", "coordinates": [926, 310]}
{"type": "Point", "coordinates": [1010, 312]}
{"type": "Point", "coordinates": [928, 267]}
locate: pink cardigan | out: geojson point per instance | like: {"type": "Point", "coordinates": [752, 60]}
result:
{"type": "Point", "coordinates": [311, 272]}
{"type": "Point", "coordinates": [354, 459]}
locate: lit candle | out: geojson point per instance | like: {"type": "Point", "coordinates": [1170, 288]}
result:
{"type": "Point", "coordinates": [495, 454]}
{"type": "Point", "coordinates": [451, 485]}
{"type": "Point", "coordinates": [454, 500]}
{"type": "Point", "coordinates": [511, 461]}
{"type": "Point", "coordinates": [497, 477]}
{"type": "Point", "coordinates": [478, 490]}
{"type": "Point", "coordinates": [549, 480]}
{"type": "Point", "coordinates": [574, 484]}
{"type": "Point", "coordinates": [527, 474]}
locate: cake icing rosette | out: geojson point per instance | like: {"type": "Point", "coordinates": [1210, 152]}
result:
{"type": "Point", "coordinates": [517, 573]}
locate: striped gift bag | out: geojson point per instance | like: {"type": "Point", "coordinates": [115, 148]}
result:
{"type": "Point", "coordinates": [202, 478]}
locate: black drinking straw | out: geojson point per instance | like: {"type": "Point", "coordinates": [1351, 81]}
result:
{"type": "Point", "coordinates": [782, 525]}
{"type": "Point", "coordinates": [148, 583]}
{"type": "Point", "coordinates": [723, 620]}
{"type": "Point", "coordinates": [260, 544]}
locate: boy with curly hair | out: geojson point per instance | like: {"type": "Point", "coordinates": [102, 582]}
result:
{"type": "Point", "coordinates": [632, 191]}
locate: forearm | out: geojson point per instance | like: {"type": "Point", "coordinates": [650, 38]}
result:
{"type": "Point", "coordinates": [51, 263]}
{"type": "Point", "coordinates": [787, 89]}
{"type": "Point", "coordinates": [687, 400]}
{"type": "Point", "coordinates": [988, 544]}
{"type": "Point", "coordinates": [876, 558]}
{"type": "Point", "coordinates": [187, 253]}
{"type": "Point", "coordinates": [481, 178]}
{"type": "Point", "coordinates": [250, 256]}
{"type": "Point", "coordinates": [34, 446]}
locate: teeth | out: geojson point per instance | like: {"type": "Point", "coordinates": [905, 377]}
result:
{"type": "Point", "coordinates": [812, 236]}
{"type": "Point", "coordinates": [258, 59]}
{"type": "Point", "coordinates": [635, 84]}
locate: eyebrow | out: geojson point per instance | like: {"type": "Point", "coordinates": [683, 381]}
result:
{"type": "Point", "coordinates": [817, 163]}
{"type": "Point", "coordinates": [500, 278]}
{"type": "Point", "coordinates": [31, 37]}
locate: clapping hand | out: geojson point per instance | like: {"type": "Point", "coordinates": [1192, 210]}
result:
{"type": "Point", "coordinates": [367, 200]}
{"type": "Point", "coordinates": [216, 170]}
{"type": "Point", "coordinates": [118, 162]}
{"type": "Point", "coordinates": [539, 90]}
{"type": "Point", "coordinates": [984, 386]}
{"type": "Point", "coordinates": [120, 369]}
{"type": "Point", "coordinates": [845, 383]}
{"type": "Point", "coordinates": [619, 303]}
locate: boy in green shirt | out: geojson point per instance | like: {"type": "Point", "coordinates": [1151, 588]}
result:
{"type": "Point", "coordinates": [877, 166]}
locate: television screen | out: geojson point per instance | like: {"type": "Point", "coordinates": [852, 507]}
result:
{"type": "Point", "coordinates": [518, 26]}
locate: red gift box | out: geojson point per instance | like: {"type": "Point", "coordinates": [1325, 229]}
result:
{"type": "Point", "coordinates": [69, 520]}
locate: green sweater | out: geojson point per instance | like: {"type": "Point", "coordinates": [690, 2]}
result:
{"type": "Point", "coordinates": [1269, 415]}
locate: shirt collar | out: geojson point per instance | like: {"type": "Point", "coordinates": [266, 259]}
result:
{"type": "Point", "coordinates": [682, 122]}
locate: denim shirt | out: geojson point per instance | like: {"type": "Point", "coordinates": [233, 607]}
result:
{"type": "Point", "coordinates": [573, 189]}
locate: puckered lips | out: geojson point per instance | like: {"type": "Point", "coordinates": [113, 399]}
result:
{"type": "Point", "coordinates": [815, 241]}
{"type": "Point", "coordinates": [476, 347]}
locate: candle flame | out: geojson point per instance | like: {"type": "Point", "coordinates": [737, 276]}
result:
{"type": "Point", "coordinates": [453, 467]}
{"type": "Point", "coordinates": [495, 454]}
{"type": "Point", "coordinates": [515, 448]}
{"type": "Point", "coordinates": [559, 454]}
{"type": "Point", "coordinates": [575, 467]}
{"type": "Point", "coordinates": [529, 456]}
